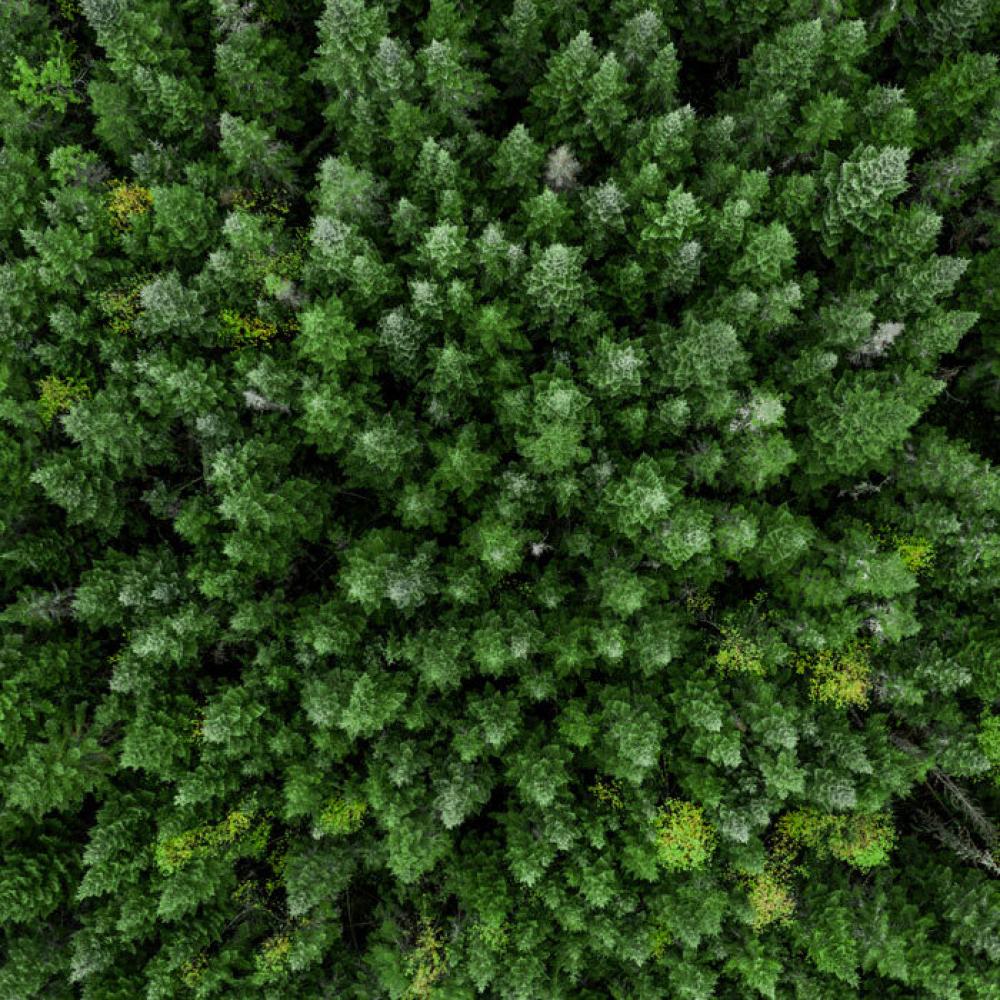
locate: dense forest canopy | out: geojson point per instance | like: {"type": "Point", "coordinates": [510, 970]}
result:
{"type": "Point", "coordinates": [497, 499]}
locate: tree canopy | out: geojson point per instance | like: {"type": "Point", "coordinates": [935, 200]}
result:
{"type": "Point", "coordinates": [497, 499]}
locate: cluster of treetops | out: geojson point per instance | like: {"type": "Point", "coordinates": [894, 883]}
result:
{"type": "Point", "coordinates": [496, 499]}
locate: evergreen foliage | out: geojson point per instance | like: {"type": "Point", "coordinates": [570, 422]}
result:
{"type": "Point", "coordinates": [497, 499]}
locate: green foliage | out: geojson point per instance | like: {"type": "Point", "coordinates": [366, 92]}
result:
{"type": "Point", "coordinates": [497, 499]}
{"type": "Point", "coordinates": [770, 899]}
{"type": "Point", "coordinates": [555, 283]}
{"type": "Point", "coordinates": [341, 816]}
{"type": "Point", "coordinates": [125, 201]}
{"type": "Point", "coordinates": [862, 840]}
{"type": "Point", "coordinates": [989, 740]}
{"type": "Point", "coordinates": [57, 395]}
{"type": "Point", "coordinates": [840, 677]}
{"type": "Point", "coordinates": [738, 654]}
{"type": "Point", "coordinates": [684, 839]}
{"type": "Point", "coordinates": [177, 851]}
{"type": "Point", "coordinates": [864, 187]}
{"type": "Point", "coordinates": [50, 84]}
{"type": "Point", "coordinates": [244, 331]}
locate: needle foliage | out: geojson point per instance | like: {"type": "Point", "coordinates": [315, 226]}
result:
{"type": "Point", "coordinates": [496, 499]}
